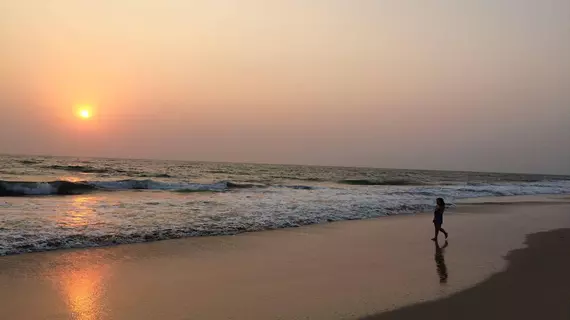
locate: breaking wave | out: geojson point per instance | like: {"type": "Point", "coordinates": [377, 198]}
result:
{"type": "Point", "coordinates": [17, 188]}
{"type": "Point", "coordinates": [13, 188]}
{"type": "Point", "coordinates": [209, 227]}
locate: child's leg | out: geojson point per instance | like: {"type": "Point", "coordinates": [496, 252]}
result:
{"type": "Point", "coordinates": [437, 227]}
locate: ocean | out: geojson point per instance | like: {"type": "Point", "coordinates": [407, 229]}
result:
{"type": "Point", "coordinates": [50, 203]}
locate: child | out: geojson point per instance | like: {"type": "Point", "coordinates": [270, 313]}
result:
{"type": "Point", "coordinates": [438, 218]}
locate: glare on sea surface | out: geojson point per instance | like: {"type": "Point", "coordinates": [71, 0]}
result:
{"type": "Point", "coordinates": [80, 213]}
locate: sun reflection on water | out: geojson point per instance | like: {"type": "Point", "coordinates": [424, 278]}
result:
{"type": "Point", "coordinates": [70, 178]}
{"type": "Point", "coordinates": [81, 212]}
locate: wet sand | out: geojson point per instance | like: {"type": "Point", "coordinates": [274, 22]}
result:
{"type": "Point", "coordinates": [536, 285]}
{"type": "Point", "coordinates": [345, 270]}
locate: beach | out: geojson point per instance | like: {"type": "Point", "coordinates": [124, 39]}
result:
{"type": "Point", "coordinates": [377, 268]}
{"type": "Point", "coordinates": [264, 160]}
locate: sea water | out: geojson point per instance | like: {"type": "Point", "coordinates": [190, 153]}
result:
{"type": "Point", "coordinates": [49, 203]}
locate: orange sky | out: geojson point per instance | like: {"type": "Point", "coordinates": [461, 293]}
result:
{"type": "Point", "coordinates": [477, 85]}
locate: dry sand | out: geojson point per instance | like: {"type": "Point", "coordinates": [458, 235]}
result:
{"type": "Point", "coordinates": [345, 270]}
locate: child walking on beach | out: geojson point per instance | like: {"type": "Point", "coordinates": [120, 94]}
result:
{"type": "Point", "coordinates": [438, 218]}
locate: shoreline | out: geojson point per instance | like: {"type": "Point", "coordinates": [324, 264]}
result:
{"type": "Point", "coordinates": [535, 285]}
{"type": "Point", "coordinates": [327, 271]}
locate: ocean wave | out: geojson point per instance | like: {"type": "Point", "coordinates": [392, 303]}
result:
{"type": "Point", "coordinates": [158, 185]}
{"type": "Point", "coordinates": [108, 170]}
{"type": "Point", "coordinates": [30, 162]}
{"type": "Point", "coordinates": [234, 185]}
{"type": "Point", "coordinates": [78, 168]}
{"type": "Point", "coordinates": [299, 187]}
{"type": "Point", "coordinates": [394, 182]}
{"type": "Point", "coordinates": [153, 175]}
{"type": "Point", "coordinates": [299, 178]}
{"type": "Point", "coordinates": [212, 227]}
{"type": "Point", "coordinates": [17, 188]}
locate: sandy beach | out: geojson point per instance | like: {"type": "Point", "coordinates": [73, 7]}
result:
{"type": "Point", "coordinates": [505, 258]}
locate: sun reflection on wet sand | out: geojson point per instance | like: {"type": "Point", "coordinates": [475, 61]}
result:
{"type": "Point", "coordinates": [81, 283]}
{"type": "Point", "coordinates": [83, 289]}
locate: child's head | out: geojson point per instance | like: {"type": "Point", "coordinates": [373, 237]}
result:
{"type": "Point", "coordinates": [440, 202]}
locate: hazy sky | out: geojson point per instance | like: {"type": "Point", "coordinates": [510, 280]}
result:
{"type": "Point", "coordinates": [473, 85]}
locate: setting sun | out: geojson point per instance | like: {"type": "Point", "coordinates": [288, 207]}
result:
{"type": "Point", "coordinates": [84, 112]}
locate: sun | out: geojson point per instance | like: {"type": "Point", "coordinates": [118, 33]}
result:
{"type": "Point", "coordinates": [84, 112]}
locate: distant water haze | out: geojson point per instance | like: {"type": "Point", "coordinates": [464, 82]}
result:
{"type": "Point", "coordinates": [471, 85]}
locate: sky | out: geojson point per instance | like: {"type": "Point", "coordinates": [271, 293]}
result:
{"type": "Point", "coordinates": [480, 85]}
